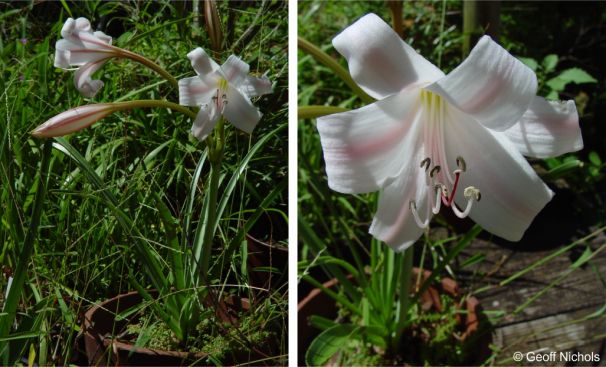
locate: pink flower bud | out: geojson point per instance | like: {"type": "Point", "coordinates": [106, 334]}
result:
{"type": "Point", "coordinates": [73, 120]}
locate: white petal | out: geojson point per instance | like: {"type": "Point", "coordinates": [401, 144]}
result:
{"type": "Point", "coordinates": [205, 122]}
{"type": "Point", "coordinates": [201, 62]}
{"type": "Point", "coordinates": [547, 129]}
{"type": "Point", "coordinates": [103, 37]}
{"type": "Point", "coordinates": [83, 24]}
{"type": "Point", "coordinates": [197, 90]}
{"type": "Point", "coordinates": [367, 147]}
{"type": "Point", "coordinates": [393, 223]}
{"type": "Point", "coordinates": [68, 28]}
{"type": "Point", "coordinates": [83, 81]}
{"type": "Point", "coordinates": [379, 61]}
{"type": "Point", "coordinates": [240, 112]}
{"type": "Point", "coordinates": [512, 192]}
{"type": "Point", "coordinates": [490, 85]}
{"type": "Point", "coordinates": [235, 70]}
{"type": "Point", "coordinates": [68, 53]}
{"type": "Point", "coordinates": [254, 87]}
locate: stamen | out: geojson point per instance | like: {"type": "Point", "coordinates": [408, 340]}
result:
{"type": "Point", "coordinates": [413, 209]}
{"type": "Point", "coordinates": [438, 202]}
{"type": "Point", "coordinates": [471, 194]}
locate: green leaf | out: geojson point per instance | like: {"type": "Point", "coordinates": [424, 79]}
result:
{"type": "Point", "coordinates": [576, 75]}
{"type": "Point", "coordinates": [573, 75]}
{"type": "Point", "coordinates": [530, 62]}
{"type": "Point", "coordinates": [594, 158]}
{"type": "Point", "coordinates": [549, 62]}
{"type": "Point", "coordinates": [553, 95]}
{"type": "Point", "coordinates": [328, 343]}
{"type": "Point", "coordinates": [563, 169]}
{"type": "Point", "coordinates": [557, 85]}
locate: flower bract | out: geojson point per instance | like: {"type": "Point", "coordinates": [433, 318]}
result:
{"type": "Point", "coordinates": [434, 140]}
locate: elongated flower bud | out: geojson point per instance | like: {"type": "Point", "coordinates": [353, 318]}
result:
{"type": "Point", "coordinates": [74, 119]}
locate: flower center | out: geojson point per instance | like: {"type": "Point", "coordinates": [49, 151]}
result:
{"type": "Point", "coordinates": [220, 97]}
{"type": "Point", "coordinates": [442, 185]}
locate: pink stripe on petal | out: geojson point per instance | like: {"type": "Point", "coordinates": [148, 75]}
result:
{"type": "Point", "coordinates": [380, 144]}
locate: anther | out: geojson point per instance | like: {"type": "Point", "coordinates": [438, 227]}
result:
{"type": "Point", "coordinates": [426, 162]}
{"type": "Point", "coordinates": [472, 193]}
{"type": "Point", "coordinates": [461, 163]}
{"type": "Point", "coordinates": [434, 171]}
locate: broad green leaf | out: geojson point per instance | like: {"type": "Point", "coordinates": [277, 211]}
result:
{"type": "Point", "coordinates": [549, 62]}
{"type": "Point", "coordinates": [325, 345]}
{"type": "Point", "coordinates": [557, 85]}
{"type": "Point", "coordinates": [530, 62]}
{"type": "Point", "coordinates": [573, 75]}
{"type": "Point", "coordinates": [553, 95]}
{"type": "Point", "coordinates": [594, 158]}
{"type": "Point", "coordinates": [576, 75]}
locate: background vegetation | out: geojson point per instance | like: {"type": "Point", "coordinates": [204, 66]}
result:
{"type": "Point", "coordinates": [82, 255]}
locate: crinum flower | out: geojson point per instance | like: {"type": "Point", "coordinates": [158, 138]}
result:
{"type": "Point", "coordinates": [86, 49]}
{"type": "Point", "coordinates": [435, 140]}
{"type": "Point", "coordinates": [221, 90]}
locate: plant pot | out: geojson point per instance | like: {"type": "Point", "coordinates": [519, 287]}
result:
{"type": "Point", "coordinates": [267, 265]}
{"type": "Point", "coordinates": [319, 303]}
{"type": "Point", "coordinates": [102, 349]}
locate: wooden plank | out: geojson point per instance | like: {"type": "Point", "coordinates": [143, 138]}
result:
{"type": "Point", "coordinates": [554, 322]}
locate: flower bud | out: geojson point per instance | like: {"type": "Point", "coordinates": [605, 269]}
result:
{"type": "Point", "coordinates": [73, 120]}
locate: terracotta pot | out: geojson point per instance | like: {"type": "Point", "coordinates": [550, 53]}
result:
{"type": "Point", "coordinates": [265, 255]}
{"type": "Point", "coordinates": [100, 325]}
{"type": "Point", "coordinates": [320, 304]}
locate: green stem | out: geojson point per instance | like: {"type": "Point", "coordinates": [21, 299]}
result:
{"type": "Point", "coordinates": [14, 294]}
{"type": "Point", "coordinates": [312, 112]}
{"type": "Point", "coordinates": [341, 72]}
{"type": "Point", "coordinates": [149, 64]}
{"type": "Point", "coordinates": [153, 103]}
{"type": "Point", "coordinates": [215, 156]}
{"type": "Point", "coordinates": [405, 281]}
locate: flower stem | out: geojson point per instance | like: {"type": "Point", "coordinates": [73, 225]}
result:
{"type": "Point", "coordinates": [405, 281]}
{"type": "Point", "coordinates": [311, 112]}
{"type": "Point", "coordinates": [215, 156]}
{"type": "Point", "coordinates": [154, 103]}
{"type": "Point", "coordinates": [325, 59]}
{"type": "Point", "coordinates": [14, 294]}
{"type": "Point", "coordinates": [151, 65]}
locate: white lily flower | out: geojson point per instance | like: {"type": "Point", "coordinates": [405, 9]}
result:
{"type": "Point", "coordinates": [89, 50]}
{"type": "Point", "coordinates": [430, 135]}
{"type": "Point", "coordinates": [221, 90]}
